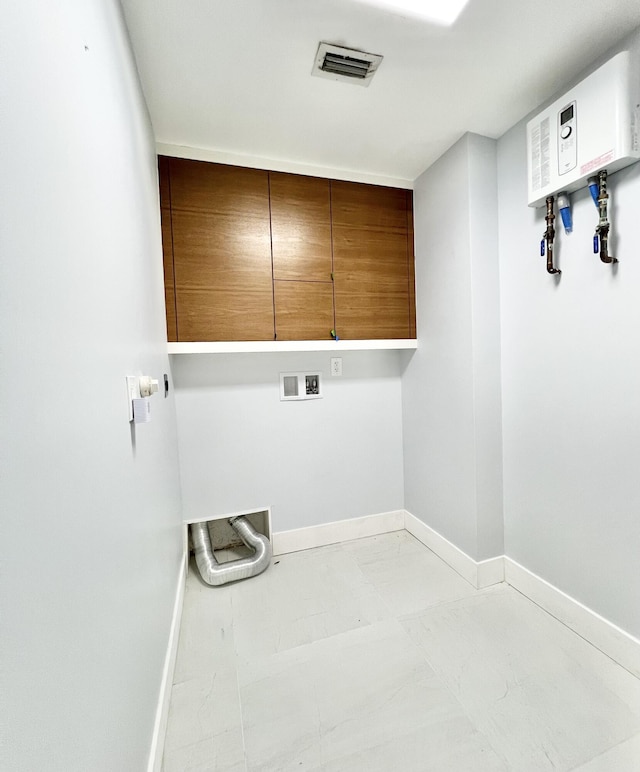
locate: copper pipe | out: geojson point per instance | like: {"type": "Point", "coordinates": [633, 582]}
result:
{"type": "Point", "coordinates": [602, 231]}
{"type": "Point", "coordinates": [549, 236]}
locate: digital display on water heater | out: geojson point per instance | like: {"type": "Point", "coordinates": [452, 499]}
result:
{"type": "Point", "coordinates": [567, 114]}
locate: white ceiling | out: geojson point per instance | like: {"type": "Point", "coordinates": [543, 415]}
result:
{"type": "Point", "coordinates": [235, 75]}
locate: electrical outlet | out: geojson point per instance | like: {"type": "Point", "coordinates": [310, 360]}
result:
{"type": "Point", "coordinates": [336, 366]}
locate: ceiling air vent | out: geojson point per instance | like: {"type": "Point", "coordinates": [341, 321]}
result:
{"type": "Point", "coordinates": [339, 63]}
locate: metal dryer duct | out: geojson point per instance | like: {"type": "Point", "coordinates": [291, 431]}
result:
{"type": "Point", "coordinates": [215, 573]}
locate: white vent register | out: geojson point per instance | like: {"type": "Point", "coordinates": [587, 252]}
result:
{"type": "Point", "coordinates": [593, 126]}
{"type": "Point", "coordinates": [346, 64]}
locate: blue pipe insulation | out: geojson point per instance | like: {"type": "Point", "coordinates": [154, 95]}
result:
{"type": "Point", "coordinates": [594, 188]}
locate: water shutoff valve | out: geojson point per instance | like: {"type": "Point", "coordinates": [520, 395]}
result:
{"type": "Point", "coordinates": [139, 389]}
{"type": "Point", "coordinates": [148, 385]}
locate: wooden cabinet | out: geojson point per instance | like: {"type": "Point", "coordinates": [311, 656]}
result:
{"type": "Point", "coordinates": [252, 255]}
{"type": "Point", "coordinates": [371, 257]}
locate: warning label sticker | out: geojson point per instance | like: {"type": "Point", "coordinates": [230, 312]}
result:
{"type": "Point", "coordinates": [596, 163]}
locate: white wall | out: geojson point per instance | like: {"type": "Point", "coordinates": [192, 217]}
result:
{"type": "Point", "coordinates": [90, 541]}
{"type": "Point", "coordinates": [451, 387]}
{"type": "Point", "coordinates": [485, 328]}
{"type": "Point", "coordinates": [313, 461]}
{"type": "Point", "coordinates": [571, 394]}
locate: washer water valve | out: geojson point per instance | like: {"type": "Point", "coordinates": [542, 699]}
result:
{"type": "Point", "coordinates": [148, 385]}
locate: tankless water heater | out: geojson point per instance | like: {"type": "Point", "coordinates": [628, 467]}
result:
{"type": "Point", "coordinates": [593, 126]}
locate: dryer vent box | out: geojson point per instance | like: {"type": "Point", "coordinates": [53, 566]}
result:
{"type": "Point", "coordinates": [593, 126]}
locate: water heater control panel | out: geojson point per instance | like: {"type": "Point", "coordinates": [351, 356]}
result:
{"type": "Point", "coordinates": [567, 138]}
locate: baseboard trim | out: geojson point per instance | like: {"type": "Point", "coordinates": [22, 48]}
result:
{"type": "Point", "coordinates": [490, 571]}
{"type": "Point", "coordinates": [612, 640]}
{"type": "Point", "coordinates": [164, 697]}
{"type": "Point", "coordinates": [332, 533]}
{"type": "Point", "coordinates": [479, 574]}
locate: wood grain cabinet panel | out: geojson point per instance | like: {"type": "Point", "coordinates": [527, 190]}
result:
{"type": "Point", "coordinates": [368, 206]}
{"type": "Point", "coordinates": [169, 279]}
{"type": "Point", "coordinates": [221, 252]}
{"type": "Point", "coordinates": [199, 186]}
{"type": "Point", "coordinates": [163, 180]}
{"type": "Point", "coordinates": [304, 310]}
{"type": "Point", "coordinates": [223, 280]}
{"type": "Point", "coordinates": [371, 261]}
{"type": "Point", "coordinates": [411, 254]}
{"type": "Point", "coordinates": [300, 227]}
{"type": "Point", "coordinates": [167, 248]}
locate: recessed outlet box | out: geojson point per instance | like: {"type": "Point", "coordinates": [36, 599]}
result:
{"type": "Point", "coordinates": [298, 386]}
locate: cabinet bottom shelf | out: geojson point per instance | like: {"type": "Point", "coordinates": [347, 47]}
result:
{"type": "Point", "coordinates": [259, 346]}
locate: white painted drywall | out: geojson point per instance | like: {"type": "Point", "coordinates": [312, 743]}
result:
{"type": "Point", "coordinates": [90, 538]}
{"type": "Point", "coordinates": [571, 394]}
{"type": "Point", "coordinates": [485, 328]}
{"type": "Point", "coordinates": [451, 386]}
{"type": "Point", "coordinates": [312, 461]}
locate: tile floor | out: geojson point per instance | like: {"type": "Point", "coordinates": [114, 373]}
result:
{"type": "Point", "coordinates": [374, 655]}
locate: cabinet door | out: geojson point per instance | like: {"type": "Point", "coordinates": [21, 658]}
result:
{"type": "Point", "coordinates": [302, 259]}
{"type": "Point", "coordinates": [221, 252]}
{"type": "Point", "coordinates": [411, 255]}
{"type": "Point", "coordinates": [167, 248]}
{"type": "Point", "coordinates": [304, 310]}
{"type": "Point", "coordinates": [370, 261]}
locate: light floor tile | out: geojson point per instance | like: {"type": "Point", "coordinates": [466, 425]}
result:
{"type": "Point", "coordinates": [222, 753]}
{"type": "Point", "coordinates": [349, 692]}
{"type": "Point", "coordinates": [303, 597]}
{"type": "Point", "coordinates": [448, 746]}
{"type": "Point", "coordinates": [202, 708]}
{"type": "Point", "coordinates": [534, 688]}
{"type": "Point", "coordinates": [624, 757]}
{"type": "Point", "coordinates": [374, 655]}
{"type": "Point", "coordinates": [206, 633]}
{"type": "Point", "coordinates": [407, 575]}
